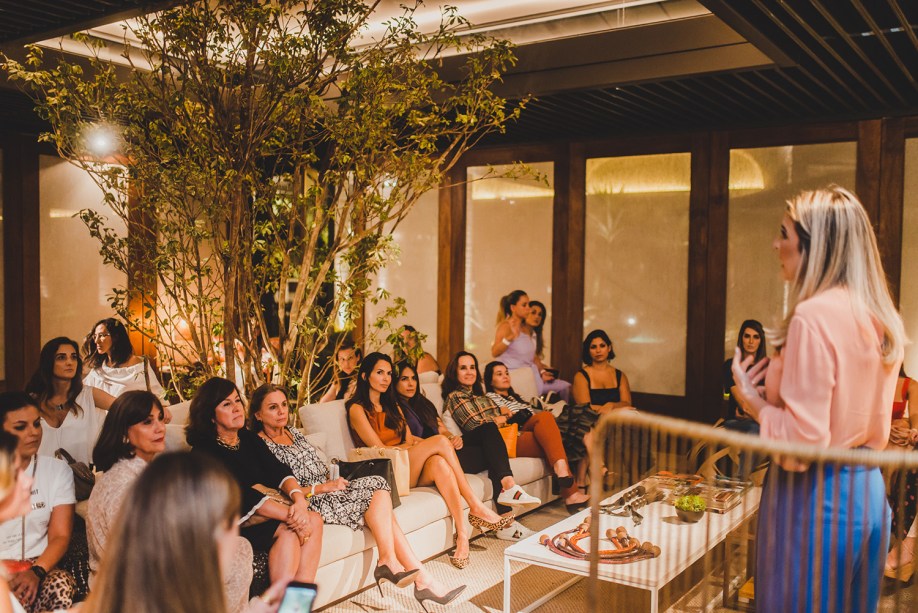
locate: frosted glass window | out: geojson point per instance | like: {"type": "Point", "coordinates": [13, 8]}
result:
{"type": "Point", "coordinates": [508, 247]}
{"type": "Point", "coordinates": [636, 264]}
{"type": "Point", "coordinates": [761, 182]}
{"type": "Point", "coordinates": [75, 284]}
{"type": "Point", "coordinates": [412, 275]}
{"type": "Point", "coordinates": [908, 292]}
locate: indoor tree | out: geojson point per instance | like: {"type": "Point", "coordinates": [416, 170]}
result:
{"type": "Point", "coordinates": [266, 149]}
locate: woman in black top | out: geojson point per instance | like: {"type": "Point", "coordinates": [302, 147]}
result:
{"type": "Point", "coordinates": [292, 535]}
{"type": "Point", "coordinates": [751, 342]}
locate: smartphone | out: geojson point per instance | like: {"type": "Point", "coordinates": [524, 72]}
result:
{"type": "Point", "coordinates": [298, 598]}
{"type": "Point", "coordinates": [554, 372]}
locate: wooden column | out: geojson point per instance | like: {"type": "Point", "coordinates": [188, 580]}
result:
{"type": "Point", "coordinates": [881, 188]}
{"type": "Point", "coordinates": [21, 267]}
{"type": "Point", "coordinates": [451, 265]}
{"type": "Point", "coordinates": [568, 228]}
{"type": "Point", "coordinates": [707, 284]}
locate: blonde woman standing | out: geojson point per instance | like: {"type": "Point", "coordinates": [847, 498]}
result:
{"type": "Point", "coordinates": [823, 529]}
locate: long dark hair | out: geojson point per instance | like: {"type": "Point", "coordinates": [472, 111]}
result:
{"type": "Point", "coordinates": [129, 409]}
{"type": "Point", "coordinates": [757, 326]}
{"type": "Point", "coordinates": [451, 376]}
{"type": "Point", "coordinates": [540, 342]}
{"type": "Point", "coordinates": [507, 301]}
{"type": "Point", "coordinates": [489, 376]}
{"type": "Point", "coordinates": [41, 385]}
{"type": "Point", "coordinates": [393, 416]}
{"type": "Point", "coordinates": [585, 352]}
{"type": "Point", "coordinates": [201, 427]}
{"type": "Point", "coordinates": [418, 404]}
{"type": "Point", "coordinates": [257, 399]}
{"type": "Point", "coordinates": [121, 350]}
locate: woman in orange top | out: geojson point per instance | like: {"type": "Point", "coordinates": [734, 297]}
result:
{"type": "Point", "coordinates": [376, 421]}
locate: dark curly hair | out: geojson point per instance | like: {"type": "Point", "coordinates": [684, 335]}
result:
{"type": "Point", "coordinates": [600, 334]}
{"type": "Point", "coordinates": [129, 409]}
{"type": "Point", "coordinates": [121, 350]}
{"type": "Point", "coordinates": [41, 385]}
{"type": "Point", "coordinates": [394, 418]}
{"type": "Point", "coordinates": [201, 427]}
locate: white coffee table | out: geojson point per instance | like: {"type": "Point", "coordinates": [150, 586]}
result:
{"type": "Point", "coordinates": [681, 546]}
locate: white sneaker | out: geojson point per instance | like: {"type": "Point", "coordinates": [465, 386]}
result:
{"type": "Point", "coordinates": [516, 497]}
{"type": "Point", "coordinates": [514, 532]}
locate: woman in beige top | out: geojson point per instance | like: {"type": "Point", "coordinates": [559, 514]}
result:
{"type": "Point", "coordinates": [134, 432]}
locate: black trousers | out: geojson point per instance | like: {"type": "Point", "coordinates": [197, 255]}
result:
{"type": "Point", "coordinates": [484, 449]}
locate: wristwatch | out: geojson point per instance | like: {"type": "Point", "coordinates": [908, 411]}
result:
{"type": "Point", "coordinates": [40, 572]}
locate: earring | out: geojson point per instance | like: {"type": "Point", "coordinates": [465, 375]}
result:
{"type": "Point", "coordinates": [125, 440]}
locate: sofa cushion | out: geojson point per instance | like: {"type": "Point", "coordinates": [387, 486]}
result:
{"type": "Point", "coordinates": [527, 470]}
{"type": "Point", "coordinates": [319, 440]}
{"type": "Point", "coordinates": [524, 383]}
{"type": "Point", "coordinates": [180, 412]}
{"type": "Point", "coordinates": [330, 418]}
{"type": "Point", "coordinates": [432, 391]}
{"type": "Point", "coordinates": [175, 438]}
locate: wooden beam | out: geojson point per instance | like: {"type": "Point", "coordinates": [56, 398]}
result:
{"type": "Point", "coordinates": [567, 279]}
{"type": "Point", "coordinates": [707, 283]}
{"type": "Point", "coordinates": [451, 265]}
{"type": "Point", "coordinates": [21, 266]}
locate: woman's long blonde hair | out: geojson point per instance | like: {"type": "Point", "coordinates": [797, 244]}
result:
{"type": "Point", "coordinates": [163, 555]}
{"type": "Point", "coordinates": [838, 248]}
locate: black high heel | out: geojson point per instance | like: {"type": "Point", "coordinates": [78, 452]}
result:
{"type": "Point", "coordinates": [426, 594]}
{"type": "Point", "coordinates": [560, 483]}
{"type": "Point", "coordinates": [402, 579]}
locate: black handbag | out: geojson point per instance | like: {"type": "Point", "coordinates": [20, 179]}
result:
{"type": "Point", "coordinates": [377, 467]}
{"type": "Point", "coordinates": [520, 417]}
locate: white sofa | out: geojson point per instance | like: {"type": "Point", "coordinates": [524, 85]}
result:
{"type": "Point", "coordinates": [348, 557]}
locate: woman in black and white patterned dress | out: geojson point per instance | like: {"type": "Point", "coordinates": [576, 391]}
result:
{"type": "Point", "coordinates": [362, 502]}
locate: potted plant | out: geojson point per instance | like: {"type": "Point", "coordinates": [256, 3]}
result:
{"type": "Point", "coordinates": [690, 508]}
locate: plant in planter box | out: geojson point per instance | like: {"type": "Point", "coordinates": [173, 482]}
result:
{"type": "Point", "coordinates": [690, 508]}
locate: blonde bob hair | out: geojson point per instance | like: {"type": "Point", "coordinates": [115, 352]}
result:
{"type": "Point", "coordinates": [838, 248]}
{"type": "Point", "coordinates": [163, 555]}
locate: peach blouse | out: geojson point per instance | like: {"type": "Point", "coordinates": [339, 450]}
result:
{"type": "Point", "coordinates": [829, 385]}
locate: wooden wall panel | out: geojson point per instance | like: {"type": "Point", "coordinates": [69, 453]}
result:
{"type": "Point", "coordinates": [451, 265]}
{"type": "Point", "coordinates": [568, 227]}
{"type": "Point", "coordinates": [21, 266]}
{"type": "Point", "coordinates": [707, 285]}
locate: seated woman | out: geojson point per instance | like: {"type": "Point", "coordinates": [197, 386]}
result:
{"type": "Point", "coordinates": [539, 437]}
{"type": "Point", "coordinates": [15, 503]}
{"type": "Point", "coordinates": [903, 484]}
{"type": "Point", "coordinates": [751, 342]}
{"type": "Point", "coordinates": [134, 432]}
{"type": "Point", "coordinates": [174, 542]}
{"type": "Point", "coordinates": [107, 351]}
{"type": "Point", "coordinates": [43, 536]}
{"type": "Point", "coordinates": [71, 413]}
{"type": "Point", "coordinates": [363, 501]}
{"type": "Point", "coordinates": [292, 535]}
{"type": "Point", "coordinates": [485, 450]}
{"type": "Point", "coordinates": [598, 383]}
{"type": "Point", "coordinates": [347, 358]}
{"type": "Point", "coordinates": [376, 421]}
{"type": "Point", "coordinates": [428, 370]}
{"type": "Point", "coordinates": [515, 343]}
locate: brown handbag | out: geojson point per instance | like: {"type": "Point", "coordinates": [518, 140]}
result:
{"type": "Point", "coordinates": [510, 433]}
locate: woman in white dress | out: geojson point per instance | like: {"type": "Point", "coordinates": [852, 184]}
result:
{"type": "Point", "coordinates": [15, 501]}
{"type": "Point", "coordinates": [114, 368]}
{"type": "Point", "coordinates": [71, 413]}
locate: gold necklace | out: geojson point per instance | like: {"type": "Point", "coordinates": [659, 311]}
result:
{"type": "Point", "coordinates": [230, 446]}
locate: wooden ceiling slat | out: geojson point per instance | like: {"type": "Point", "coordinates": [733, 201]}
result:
{"type": "Point", "coordinates": [761, 92]}
{"type": "Point", "coordinates": [775, 86]}
{"type": "Point", "coordinates": [881, 36]}
{"type": "Point", "coordinates": [827, 15]}
{"type": "Point", "coordinates": [812, 55]}
{"type": "Point", "coordinates": [821, 41]}
{"type": "Point", "coordinates": [713, 97]}
{"type": "Point", "coordinates": [903, 21]}
{"type": "Point", "coordinates": [687, 104]}
{"type": "Point", "coordinates": [632, 113]}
